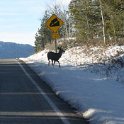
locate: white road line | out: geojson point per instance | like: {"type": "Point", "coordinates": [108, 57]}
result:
{"type": "Point", "coordinates": [37, 114]}
{"type": "Point", "coordinates": [50, 102]}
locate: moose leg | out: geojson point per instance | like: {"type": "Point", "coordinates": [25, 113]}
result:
{"type": "Point", "coordinates": [52, 63]}
{"type": "Point", "coordinates": [59, 63]}
{"type": "Point", "coordinates": [48, 62]}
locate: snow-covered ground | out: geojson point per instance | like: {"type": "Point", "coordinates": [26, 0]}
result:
{"type": "Point", "coordinates": [97, 94]}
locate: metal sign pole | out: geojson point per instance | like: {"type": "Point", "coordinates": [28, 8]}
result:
{"type": "Point", "coordinates": [55, 45]}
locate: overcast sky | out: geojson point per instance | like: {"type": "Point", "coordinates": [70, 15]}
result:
{"type": "Point", "coordinates": [20, 19]}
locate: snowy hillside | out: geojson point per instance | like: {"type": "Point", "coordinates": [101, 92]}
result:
{"type": "Point", "coordinates": [89, 79]}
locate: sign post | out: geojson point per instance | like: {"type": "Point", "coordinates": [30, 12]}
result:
{"type": "Point", "coordinates": [54, 23]}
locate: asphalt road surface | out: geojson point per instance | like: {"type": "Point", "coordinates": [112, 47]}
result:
{"type": "Point", "coordinates": [26, 99]}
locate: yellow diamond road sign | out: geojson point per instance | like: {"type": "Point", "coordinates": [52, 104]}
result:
{"type": "Point", "coordinates": [54, 23]}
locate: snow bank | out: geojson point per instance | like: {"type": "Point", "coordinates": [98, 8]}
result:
{"type": "Point", "coordinates": [120, 76]}
{"type": "Point", "coordinates": [97, 97]}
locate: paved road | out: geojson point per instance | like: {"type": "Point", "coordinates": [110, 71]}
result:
{"type": "Point", "coordinates": [26, 99]}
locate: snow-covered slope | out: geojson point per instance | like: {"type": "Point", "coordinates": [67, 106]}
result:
{"type": "Point", "coordinates": [98, 96]}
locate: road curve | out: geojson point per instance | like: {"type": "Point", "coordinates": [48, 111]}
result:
{"type": "Point", "coordinates": [26, 99]}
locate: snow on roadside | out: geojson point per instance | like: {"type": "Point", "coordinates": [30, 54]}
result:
{"type": "Point", "coordinates": [98, 98]}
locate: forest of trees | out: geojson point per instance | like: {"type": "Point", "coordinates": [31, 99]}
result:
{"type": "Point", "coordinates": [87, 21]}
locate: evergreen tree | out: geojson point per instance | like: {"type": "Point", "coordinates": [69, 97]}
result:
{"type": "Point", "coordinates": [84, 19]}
{"type": "Point", "coordinates": [43, 35]}
{"type": "Point", "coordinates": [98, 19]}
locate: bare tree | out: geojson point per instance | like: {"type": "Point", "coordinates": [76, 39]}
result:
{"type": "Point", "coordinates": [103, 21]}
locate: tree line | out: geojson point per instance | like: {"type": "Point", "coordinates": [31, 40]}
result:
{"type": "Point", "coordinates": [99, 20]}
{"type": "Point", "coordinates": [87, 21]}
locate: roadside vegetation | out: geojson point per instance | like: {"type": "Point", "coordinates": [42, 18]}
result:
{"type": "Point", "coordinates": [90, 24]}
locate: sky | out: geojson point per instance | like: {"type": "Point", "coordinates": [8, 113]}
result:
{"type": "Point", "coordinates": [20, 19]}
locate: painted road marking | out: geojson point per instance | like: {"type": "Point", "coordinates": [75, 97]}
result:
{"type": "Point", "coordinates": [38, 114]}
{"type": "Point", "coordinates": [50, 102]}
